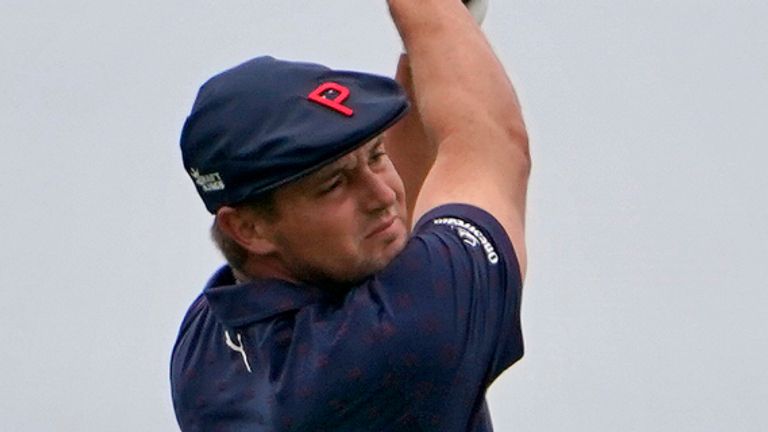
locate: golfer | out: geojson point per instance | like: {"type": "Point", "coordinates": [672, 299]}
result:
{"type": "Point", "coordinates": [374, 237]}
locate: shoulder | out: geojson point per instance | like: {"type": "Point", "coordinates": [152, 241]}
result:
{"type": "Point", "coordinates": [196, 334]}
{"type": "Point", "coordinates": [466, 232]}
{"type": "Point", "coordinates": [200, 332]}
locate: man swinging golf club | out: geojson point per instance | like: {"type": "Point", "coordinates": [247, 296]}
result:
{"type": "Point", "coordinates": [374, 237]}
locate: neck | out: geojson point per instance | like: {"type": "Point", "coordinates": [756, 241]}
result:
{"type": "Point", "coordinates": [262, 268]}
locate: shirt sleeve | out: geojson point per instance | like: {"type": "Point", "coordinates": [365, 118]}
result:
{"type": "Point", "coordinates": [457, 285]}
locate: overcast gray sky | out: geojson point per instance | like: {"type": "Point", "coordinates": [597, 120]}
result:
{"type": "Point", "coordinates": [645, 304]}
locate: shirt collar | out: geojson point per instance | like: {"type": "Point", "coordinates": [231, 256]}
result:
{"type": "Point", "coordinates": [239, 304]}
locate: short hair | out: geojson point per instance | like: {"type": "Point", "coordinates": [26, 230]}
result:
{"type": "Point", "coordinates": [264, 206]}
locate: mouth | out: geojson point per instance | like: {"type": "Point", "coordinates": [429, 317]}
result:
{"type": "Point", "coordinates": [382, 226]}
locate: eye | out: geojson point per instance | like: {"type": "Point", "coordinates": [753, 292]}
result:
{"type": "Point", "coordinates": [377, 156]}
{"type": "Point", "coordinates": [332, 185]}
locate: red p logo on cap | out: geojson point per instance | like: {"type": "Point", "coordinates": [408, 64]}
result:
{"type": "Point", "coordinates": [338, 94]}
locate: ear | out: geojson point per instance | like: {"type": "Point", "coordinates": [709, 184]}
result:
{"type": "Point", "coordinates": [247, 229]}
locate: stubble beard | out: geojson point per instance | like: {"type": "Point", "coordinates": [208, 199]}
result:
{"type": "Point", "coordinates": [344, 278]}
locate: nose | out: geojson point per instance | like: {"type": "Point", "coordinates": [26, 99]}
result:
{"type": "Point", "coordinates": [377, 193]}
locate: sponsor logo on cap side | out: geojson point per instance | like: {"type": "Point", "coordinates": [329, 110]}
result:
{"type": "Point", "coordinates": [470, 235]}
{"type": "Point", "coordinates": [207, 182]}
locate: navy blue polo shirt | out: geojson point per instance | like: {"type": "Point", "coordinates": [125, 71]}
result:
{"type": "Point", "coordinates": [412, 348]}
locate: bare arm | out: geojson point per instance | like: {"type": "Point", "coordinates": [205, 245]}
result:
{"type": "Point", "coordinates": [411, 151]}
{"type": "Point", "coordinates": [469, 109]}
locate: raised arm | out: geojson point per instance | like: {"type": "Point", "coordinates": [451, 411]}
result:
{"type": "Point", "coordinates": [411, 151]}
{"type": "Point", "coordinates": [470, 111]}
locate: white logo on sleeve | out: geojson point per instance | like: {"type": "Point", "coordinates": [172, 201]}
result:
{"type": "Point", "coordinates": [470, 235]}
{"type": "Point", "coordinates": [207, 182]}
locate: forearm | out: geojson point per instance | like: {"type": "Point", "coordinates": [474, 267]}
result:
{"type": "Point", "coordinates": [460, 85]}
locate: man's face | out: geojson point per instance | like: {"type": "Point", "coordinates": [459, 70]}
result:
{"type": "Point", "coordinates": [343, 222]}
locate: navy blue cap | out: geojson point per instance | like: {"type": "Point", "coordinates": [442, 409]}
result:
{"type": "Point", "coordinates": [267, 122]}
